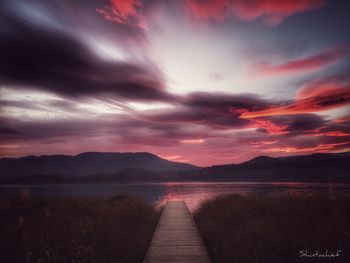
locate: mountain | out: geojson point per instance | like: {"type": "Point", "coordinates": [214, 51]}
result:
{"type": "Point", "coordinates": [315, 167]}
{"type": "Point", "coordinates": [86, 164]}
{"type": "Point", "coordinates": [120, 167]}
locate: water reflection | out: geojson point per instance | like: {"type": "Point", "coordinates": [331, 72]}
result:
{"type": "Point", "coordinates": [158, 193]}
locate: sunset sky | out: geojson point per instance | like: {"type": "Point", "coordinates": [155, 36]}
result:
{"type": "Point", "coordinates": [206, 82]}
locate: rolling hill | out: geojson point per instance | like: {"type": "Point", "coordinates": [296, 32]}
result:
{"type": "Point", "coordinates": [86, 164]}
{"type": "Point", "coordinates": [93, 167]}
{"type": "Point", "coordinates": [315, 167]}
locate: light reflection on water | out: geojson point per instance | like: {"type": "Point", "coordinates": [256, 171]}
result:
{"type": "Point", "coordinates": [158, 193]}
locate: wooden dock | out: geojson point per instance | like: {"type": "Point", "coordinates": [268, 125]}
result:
{"type": "Point", "coordinates": [176, 238]}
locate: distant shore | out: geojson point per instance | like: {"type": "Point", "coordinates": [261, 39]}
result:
{"type": "Point", "coordinates": [146, 167]}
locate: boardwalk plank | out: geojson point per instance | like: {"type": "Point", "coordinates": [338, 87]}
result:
{"type": "Point", "coordinates": [176, 238]}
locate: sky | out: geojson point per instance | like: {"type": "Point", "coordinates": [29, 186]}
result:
{"type": "Point", "coordinates": [205, 82]}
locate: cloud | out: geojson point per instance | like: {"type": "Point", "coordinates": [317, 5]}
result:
{"type": "Point", "coordinates": [337, 133]}
{"type": "Point", "coordinates": [224, 102]}
{"type": "Point", "coordinates": [330, 147]}
{"type": "Point", "coordinates": [119, 128]}
{"type": "Point", "coordinates": [263, 142]}
{"type": "Point", "coordinates": [194, 119]}
{"type": "Point", "coordinates": [209, 9]}
{"type": "Point", "coordinates": [223, 112]}
{"type": "Point", "coordinates": [268, 126]}
{"type": "Point", "coordinates": [124, 12]}
{"type": "Point", "coordinates": [8, 131]}
{"type": "Point", "coordinates": [342, 120]}
{"type": "Point", "coordinates": [40, 57]}
{"type": "Point", "coordinates": [217, 110]}
{"type": "Point", "coordinates": [289, 125]}
{"type": "Point", "coordinates": [323, 100]}
{"type": "Point", "coordinates": [322, 87]}
{"type": "Point", "coordinates": [216, 131]}
{"type": "Point", "coordinates": [305, 123]}
{"type": "Point", "coordinates": [313, 142]}
{"type": "Point", "coordinates": [336, 129]}
{"type": "Point", "coordinates": [92, 60]}
{"type": "Point", "coordinates": [272, 12]}
{"type": "Point", "coordinates": [38, 105]}
{"type": "Point", "coordinates": [311, 63]}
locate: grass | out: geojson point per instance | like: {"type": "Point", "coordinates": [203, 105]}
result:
{"type": "Point", "coordinates": [274, 229]}
{"type": "Point", "coordinates": [118, 229]}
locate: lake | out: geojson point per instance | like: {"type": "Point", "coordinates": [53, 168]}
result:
{"type": "Point", "coordinates": [158, 193]}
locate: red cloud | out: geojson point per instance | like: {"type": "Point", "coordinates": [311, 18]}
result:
{"type": "Point", "coordinates": [209, 9]}
{"type": "Point", "coordinates": [271, 11]}
{"type": "Point", "coordinates": [124, 12]}
{"type": "Point", "coordinates": [260, 143]}
{"type": "Point", "coordinates": [341, 120]}
{"type": "Point", "coordinates": [317, 88]}
{"type": "Point", "coordinates": [318, 98]}
{"type": "Point", "coordinates": [337, 133]}
{"type": "Point", "coordinates": [318, 148]}
{"type": "Point", "coordinates": [311, 63]}
{"type": "Point", "coordinates": [268, 126]}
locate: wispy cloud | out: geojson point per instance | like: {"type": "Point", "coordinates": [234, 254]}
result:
{"type": "Point", "coordinates": [271, 12]}
{"type": "Point", "coordinates": [124, 12]}
{"type": "Point", "coordinates": [168, 77]}
{"type": "Point", "coordinates": [321, 99]}
{"type": "Point", "coordinates": [311, 63]}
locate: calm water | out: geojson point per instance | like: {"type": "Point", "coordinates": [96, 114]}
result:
{"type": "Point", "coordinates": [158, 193]}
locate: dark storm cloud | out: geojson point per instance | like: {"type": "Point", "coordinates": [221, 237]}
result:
{"type": "Point", "coordinates": [223, 111]}
{"type": "Point", "coordinates": [224, 102]}
{"type": "Point", "coordinates": [8, 131]}
{"type": "Point", "coordinates": [214, 110]}
{"type": "Point", "coordinates": [289, 125]}
{"type": "Point", "coordinates": [320, 100]}
{"type": "Point", "coordinates": [46, 129]}
{"type": "Point", "coordinates": [210, 118]}
{"type": "Point", "coordinates": [118, 127]}
{"type": "Point", "coordinates": [47, 105]}
{"type": "Point", "coordinates": [34, 56]}
{"type": "Point", "coordinates": [305, 122]}
{"type": "Point", "coordinates": [336, 129]}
